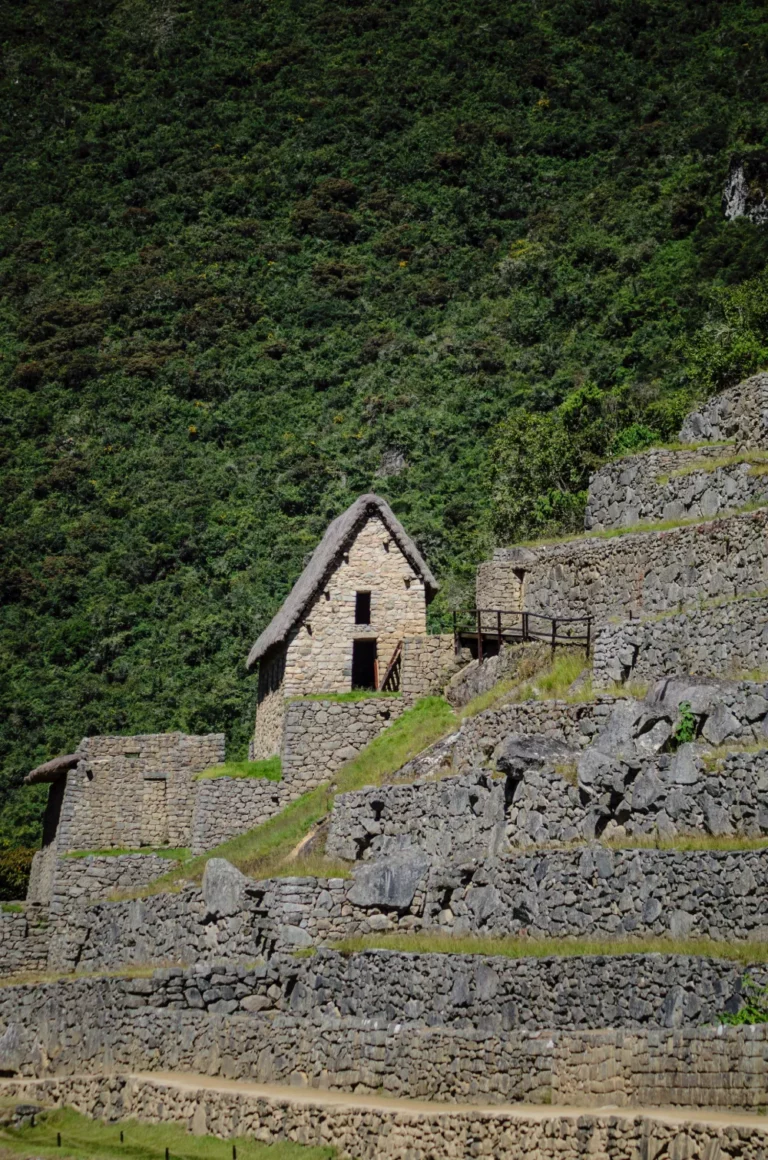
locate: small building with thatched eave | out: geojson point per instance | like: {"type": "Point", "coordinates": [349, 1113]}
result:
{"type": "Point", "coordinates": [364, 591]}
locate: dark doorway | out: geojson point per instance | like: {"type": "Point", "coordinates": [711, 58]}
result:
{"type": "Point", "coordinates": [364, 664]}
{"type": "Point", "coordinates": [362, 608]}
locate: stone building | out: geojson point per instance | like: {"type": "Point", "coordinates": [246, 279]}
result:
{"type": "Point", "coordinates": [364, 591]}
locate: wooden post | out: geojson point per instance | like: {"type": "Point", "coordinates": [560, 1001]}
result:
{"type": "Point", "coordinates": [526, 629]}
{"type": "Point", "coordinates": [554, 634]}
{"type": "Point", "coordinates": [479, 637]}
{"type": "Point", "coordinates": [589, 634]}
{"type": "Point", "coordinates": [498, 629]}
{"type": "Point", "coordinates": [455, 636]}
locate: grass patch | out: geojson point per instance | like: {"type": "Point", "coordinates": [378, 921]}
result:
{"type": "Point", "coordinates": [637, 529]}
{"type": "Point", "coordinates": [352, 695]}
{"type": "Point", "coordinates": [688, 842]}
{"type": "Point", "coordinates": [520, 948]}
{"type": "Point", "coordinates": [270, 769]}
{"type": "Point", "coordinates": [12, 907]}
{"type": "Point", "coordinates": [753, 458]}
{"type": "Point", "coordinates": [82, 1137]}
{"type": "Point", "coordinates": [173, 853]}
{"type": "Point", "coordinates": [264, 851]}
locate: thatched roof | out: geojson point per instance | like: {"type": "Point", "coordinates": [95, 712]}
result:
{"type": "Point", "coordinates": [325, 559]}
{"type": "Point", "coordinates": [53, 769]}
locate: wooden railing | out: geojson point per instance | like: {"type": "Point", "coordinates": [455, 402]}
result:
{"type": "Point", "coordinates": [498, 626]}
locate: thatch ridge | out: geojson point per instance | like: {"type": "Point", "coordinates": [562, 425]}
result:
{"type": "Point", "coordinates": [53, 769]}
{"type": "Point", "coordinates": [324, 559]}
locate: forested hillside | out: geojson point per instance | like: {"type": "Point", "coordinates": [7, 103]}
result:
{"type": "Point", "coordinates": [260, 256]}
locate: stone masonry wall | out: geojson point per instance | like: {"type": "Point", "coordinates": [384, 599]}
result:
{"type": "Point", "coordinates": [644, 488]}
{"type": "Point", "coordinates": [636, 573]}
{"type": "Point", "coordinates": [319, 650]}
{"type": "Point", "coordinates": [111, 798]}
{"type": "Point", "coordinates": [376, 1132]}
{"type": "Point", "coordinates": [228, 806]}
{"type": "Point", "coordinates": [24, 937]}
{"type": "Point", "coordinates": [485, 993]}
{"type": "Point", "coordinates": [270, 713]}
{"type": "Point", "coordinates": [573, 722]}
{"type": "Point", "coordinates": [321, 735]}
{"type": "Point", "coordinates": [428, 663]}
{"type": "Point", "coordinates": [592, 891]}
{"type": "Point", "coordinates": [740, 414]}
{"type": "Point", "coordinates": [477, 816]}
{"type": "Point", "coordinates": [726, 638]}
{"type": "Point", "coordinates": [79, 880]}
{"type": "Point", "coordinates": [445, 1027]}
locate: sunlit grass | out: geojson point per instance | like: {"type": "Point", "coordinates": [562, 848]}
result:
{"type": "Point", "coordinates": [707, 466]}
{"type": "Point", "coordinates": [82, 1138]}
{"type": "Point", "coordinates": [350, 695]}
{"type": "Point", "coordinates": [263, 852]}
{"type": "Point", "coordinates": [270, 769]}
{"type": "Point", "coordinates": [428, 942]}
{"type": "Point", "coordinates": [637, 529]}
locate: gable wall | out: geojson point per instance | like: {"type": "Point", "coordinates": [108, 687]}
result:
{"type": "Point", "coordinates": [321, 660]}
{"type": "Point", "coordinates": [110, 798]}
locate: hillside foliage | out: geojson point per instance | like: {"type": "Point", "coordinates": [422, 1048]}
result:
{"type": "Point", "coordinates": [259, 256]}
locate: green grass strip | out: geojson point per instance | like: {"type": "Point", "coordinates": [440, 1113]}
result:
{"type": "Point", "coordinates": [427, 942]}
{"type": "Point", "coordinates": [262, 852]}
{"type": "Point", "coordinates": [270, 769]}
{"type": "Point", "coordinates": [82, 1138]}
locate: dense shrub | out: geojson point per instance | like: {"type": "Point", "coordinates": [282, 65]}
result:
{"type": "Point", "coordinates": [249, 258]}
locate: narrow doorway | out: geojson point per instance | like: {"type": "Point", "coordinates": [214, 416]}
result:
{"type": "Point", "coordinates": [364, 665]}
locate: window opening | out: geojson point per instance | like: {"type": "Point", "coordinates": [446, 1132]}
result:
{"type": "Point", "coordinates": [362, 608]}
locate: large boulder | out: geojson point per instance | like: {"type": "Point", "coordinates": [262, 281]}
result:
{"type": "Point", "coordinates": [518, 753]}
{"type": "Point", "coordinates": [391, 882]}
{"type": "Point", "coordinates": [223, 888]}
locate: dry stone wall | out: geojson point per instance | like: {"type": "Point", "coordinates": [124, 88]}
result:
{"type": "Point", "coordinates": [648, 488]}
{"type": "Point", "coordinates": [321, 735]}
{"type": "Point", "coordinates": [636, 573]}
{"type": "Point", "coordinates": [575, 723]}
{"type": "Point", "coordinates": [24, 935]}
{"type": "Point", "coordinates": [419, 1026]}
{"type": "Point", "coordinates": [372, 1131]}
{"type": "Point", "coordinates": [134, 791]}
{"type": "Point", "coordinates": [479, 816]}
{"type": "Point", "coordinates": [740, 414]}
{"type": "Point", "coordinates": [78, 880]}
{"type": "Point", "coordinates": [581, 891]}
{"type": "Point", "coordinates": [228, 806]}
{"type": "Point", "coordinates": [428, 663]}
{"type": "Point", "coordinates": [726, 638]}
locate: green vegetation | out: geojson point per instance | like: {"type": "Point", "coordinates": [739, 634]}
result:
{"type": "Point", "coordinates": [688, 842]}
{"type": "Point", "coordinates": [174, 853]}
{"type": "Point", "coordinates": [266, 850]}
{"type": "Point", "coordinates": [757, 460]}
{"type": "Point", "coordinates": [685, 726]}
{"type": "Point", "coordinates": [518, 948]}
{"type": "Point", "coordinates": [257, 259]}
{"type": "Point", "coordinates": [15, 865]}
{"type": "Point", "coordinates": [754, 1006]}
{"type": "Point", "coordinates": [11, 908]}
{"type": "Point", "coordinates": [82, 1138]}
{"type": "Point", "coordinates": [269, 768]}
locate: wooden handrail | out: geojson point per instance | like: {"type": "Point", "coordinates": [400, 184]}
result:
{"type": "Point", "coordinates": [488, 624]}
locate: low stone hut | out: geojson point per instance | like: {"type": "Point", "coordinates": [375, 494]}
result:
{"type": "Point", "coordinates": [365, 589]}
